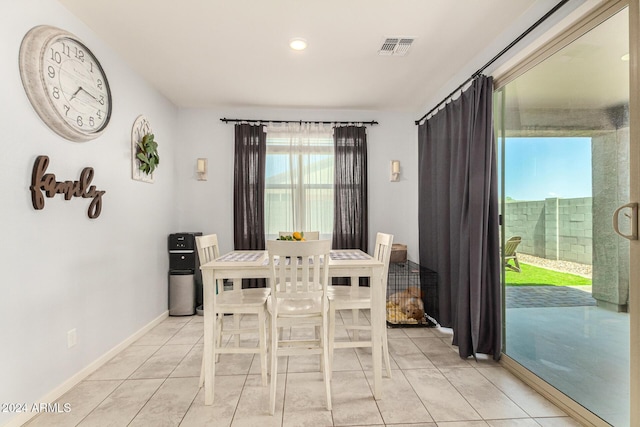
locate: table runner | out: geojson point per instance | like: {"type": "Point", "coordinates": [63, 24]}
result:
{"type": "Point", "coordinates": [348, 255]}
{"type": "Point", "coordinates": [255, 256]}
{"type": "Point", "coordinates": [241, 257]}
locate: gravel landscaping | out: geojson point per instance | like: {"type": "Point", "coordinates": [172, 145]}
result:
{"type": "Point", "coordinates": [557, 265]}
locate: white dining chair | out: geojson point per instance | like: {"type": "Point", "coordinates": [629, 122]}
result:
{"type": "Point", "coordinates": [359, 298]}
{"type": "Point", "coordinates": [237, 302]}
{"type": "Point", "coordinates": [299, 278]}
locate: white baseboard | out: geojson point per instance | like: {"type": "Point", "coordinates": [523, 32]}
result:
{"type": "Point", "coordinates": [56, 393]}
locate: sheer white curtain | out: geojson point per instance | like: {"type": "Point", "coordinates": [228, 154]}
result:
{"type": "Point", "coordinates": [299, 179]}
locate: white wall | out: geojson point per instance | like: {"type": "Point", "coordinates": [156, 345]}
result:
{"type": "Point", "coordinates": [207, 206]}
{"type": "Point", "coordinates": [106, 277]}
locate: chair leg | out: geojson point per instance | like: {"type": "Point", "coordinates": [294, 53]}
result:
{"type": "Point", "coordinates": [216, 344]}
{"type": "Point", "coordinates": [327, 372]}
{"type": "Point", "coordinates": [355, 313]}
{"type": "Point", "coordinates": [263, 345]}
{"type": "Point", "coordinates": [274, 366]}
{"type": "Point", "coordinates": [267, 337]}
{"type": "Point", "coordinates": [355, 316]}
{"type": "Point", "coordinates": [318, 335]}
{"type": "Point", "coordinates": [517, 264]}
{"type": "Point", "coordinates": [201, 382]}
{"type": "Point", "coordinates": [332, 336]}
{"type": "Point", "coordinates": [215, 359]}
{"type": "Point", "coordinates": [237, 318]}
{"type": "Point", "coordinates": [385, 352]}
{"type": "Point", "coordinates": [218, 332]}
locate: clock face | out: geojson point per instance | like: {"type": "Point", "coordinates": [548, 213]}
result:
{"type": "Point", "coordinates": [65, 83]}
{"type": "Point", "coordinates": [77, 85]}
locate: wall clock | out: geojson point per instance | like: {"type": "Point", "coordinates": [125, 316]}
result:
{"type": "Point", "coordinates": [65, 83]}
{"type": "Point", "coordinates": [141, 127]}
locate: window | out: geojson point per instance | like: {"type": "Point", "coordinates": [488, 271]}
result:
{"type": "Point", "coordinates": [299, 179]}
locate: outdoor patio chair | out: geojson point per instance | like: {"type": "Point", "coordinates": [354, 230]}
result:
{"type": "Point", "coordinates": [511, 254]}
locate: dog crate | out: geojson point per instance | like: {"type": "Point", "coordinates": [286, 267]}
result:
{"type": "Point", "coordinates": [411, 293]}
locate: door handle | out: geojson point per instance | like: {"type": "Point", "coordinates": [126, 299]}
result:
{"type": "Point", "coordinates": [634, 220]}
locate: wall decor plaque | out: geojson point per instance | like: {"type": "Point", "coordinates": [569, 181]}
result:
{"type": "Point", "coordinates": [45, 184]}
{"type": "Point", "coordinates": [141, 127]}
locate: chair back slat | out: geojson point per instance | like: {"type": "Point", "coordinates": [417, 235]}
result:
{"type": "Point", "coordinates": [208, 250]}
{"type": "Point", "coordinates": [382, 252]}
{"type": "Point", "coordinates": [511, 245]}
{"type": "Point", "coordinates": [299, 268]}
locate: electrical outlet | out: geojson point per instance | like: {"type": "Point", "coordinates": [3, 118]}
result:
{"type": "Point", "coordinates": [72, 338]}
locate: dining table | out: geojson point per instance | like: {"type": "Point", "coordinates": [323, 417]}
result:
{"type": "Point", "coordinates": [254, 264]}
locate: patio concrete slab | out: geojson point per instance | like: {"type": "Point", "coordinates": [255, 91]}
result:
{"type": "Point", "coordinates": [547, 296]}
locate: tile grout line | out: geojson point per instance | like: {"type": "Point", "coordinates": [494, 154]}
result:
{"type": "Point", "coordinates": [164, 380]}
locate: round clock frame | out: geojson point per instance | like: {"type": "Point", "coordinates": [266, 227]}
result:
{"type": "Point", "coordinates": [65, 83]}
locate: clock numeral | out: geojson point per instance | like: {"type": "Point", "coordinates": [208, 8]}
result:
{"type": "Point", "coordinates": [66, 109]}
{"type": "Point", "coordinates": [80, 54]}
{"type": "Point", "coordinates": [101, 100]}
{"type": "Point", "coordinates": [79, 121]}
{"type": "Point", "coordinates": [55, 56]}
{"type": "Point", "coordinates": [66, 50]}
{"type": "Point", "coordinates": [92, 123]}
{"type": "Point", "coordinates": [99, 114]}
{"type": "Point", "coordinates": [51, 71]}
{"type": "Point", "coordinates": [91, 67]}
{"type": "Point", "coordinates": [99, 84]}
{"type": "Point", "coordinates": [56, 92]}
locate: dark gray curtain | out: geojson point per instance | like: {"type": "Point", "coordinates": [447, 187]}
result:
{"type": "Point", "coordinates": [248, 190]}
{"type": "Point", "coordinates": [350, 215]}
{"type": "Point", "coordinates": [458, 218]}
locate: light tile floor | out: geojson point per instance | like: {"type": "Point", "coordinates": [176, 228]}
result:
{"type": "Point", "coordinates": [154, 382]}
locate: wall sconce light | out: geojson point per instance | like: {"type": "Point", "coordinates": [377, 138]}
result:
{"type": "Point", "coordinates": [395, 171]}
{"type": "Point", "coordinates": [201, 169]}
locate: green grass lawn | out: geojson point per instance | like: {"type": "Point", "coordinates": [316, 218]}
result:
{"type": "Point", "coordinates": [536, 276]}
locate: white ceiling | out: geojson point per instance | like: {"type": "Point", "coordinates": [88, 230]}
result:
{"type": "Point", "coordinates": [234, 53]}
{"type": "Point", "coordinates": [587, 74]}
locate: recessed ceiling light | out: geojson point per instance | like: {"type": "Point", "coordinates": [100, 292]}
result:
{"type": "Point", "coordinates": [625, 57]}
{"type": "Point", "coordinates": [298, 44]}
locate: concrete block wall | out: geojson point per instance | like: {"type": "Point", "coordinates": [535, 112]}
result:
{"type": "Point", "coordinates": [527, 220]}
{"type": "Point", "coordinates": [552, 228]}
{"type": "Point", "coordinates": [575, 225]}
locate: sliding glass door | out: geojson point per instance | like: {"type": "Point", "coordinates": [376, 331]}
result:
{"type": "Point", "coordinates": [563, 131]}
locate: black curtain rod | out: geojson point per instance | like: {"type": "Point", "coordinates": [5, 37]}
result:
{"type": "Point", "coordinates": [296, 121]}
{"type": "Point", "coordinates": [495, 58]}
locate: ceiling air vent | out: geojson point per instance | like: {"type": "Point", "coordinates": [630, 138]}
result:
{"type": "Point", "coordinates": [395, 46]}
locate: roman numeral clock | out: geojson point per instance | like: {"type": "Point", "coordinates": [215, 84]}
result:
{"type": "Point", "coordinates": [65, 83]}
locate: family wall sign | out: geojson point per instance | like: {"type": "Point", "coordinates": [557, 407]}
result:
{"type": "Point", "coordinates": [45, 184]}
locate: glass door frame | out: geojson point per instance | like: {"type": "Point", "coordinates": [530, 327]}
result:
{"type": "Point", "coordinates": [576, 30]}
{"type": "Point", "coordinates": [634, 195]}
